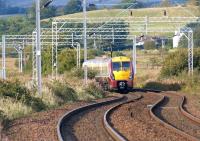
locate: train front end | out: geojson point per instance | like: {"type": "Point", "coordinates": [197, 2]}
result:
{"type": "Point", "coordinates": [121, 73]}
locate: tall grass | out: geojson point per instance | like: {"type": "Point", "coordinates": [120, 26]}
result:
{"type": "Point", "coordinates": [12, 109]}
{"type": "Point", "coordinates": [63, 92]}
{"type": "Point", "coordinates": [190, 83]}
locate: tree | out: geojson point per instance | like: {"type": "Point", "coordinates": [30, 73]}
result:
{"type": "Point", "coordinates": [165, 3]}
{"type": "Point", "coordinates": [92, 7]}
{"type": "Point", "coordinates": [48, 12]}
{"type": "Point", "coordinates": [194, 2]}
{"type": "Point", "coordinates": [148, 45]}
{"type": "Point", "coordinates": [67, 60]}
{"type": "Point", "coordinates": [73, 6]}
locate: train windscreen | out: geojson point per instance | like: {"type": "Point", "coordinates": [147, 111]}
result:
{"type": "Point", "coordinates": [116, 66]}
{"type": "Point", "coordinates": [125, 66]}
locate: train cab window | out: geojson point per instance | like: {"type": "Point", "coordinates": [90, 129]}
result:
{"type": "Point", "coordinates": [125, 66]}
{"type": "Point", "coordinates": [116, 66]}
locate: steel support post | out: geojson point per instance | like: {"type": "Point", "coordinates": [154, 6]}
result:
{"type": "Point", "coordinates": [4, 57]}
{"type": "Point", "coordinates": [20, 60]}
{"type": "Point", "coordinates": [146, 25]}
{"type": "Point", "coordinates": [190, 52]}
{"type": "Point", "coordinates": [38, 48]}
{"type": "Point", "coordinates": [72, 39]}
{"type": "Point", "coordinates": [134, 55]}
{"type": "Point", "coordinates": [24, 52]}
{"type": "Point", "coordinates": [85, 39]}
{"type": "Point", "coordinates": [54, 49]}
{"type": "Point", "coordinates": [95, 45]}
{"type": "Point", "coordinates": [113, 41]}
{"type": "Point", "coordinates": [79, 55]}
{"type": "Point", "coordinates": [34, 67]}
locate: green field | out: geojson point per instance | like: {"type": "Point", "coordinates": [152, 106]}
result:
{"type": "Point", "coordinates": [111, 14]}
{"type": "Point", "coordinates": [151, 12]}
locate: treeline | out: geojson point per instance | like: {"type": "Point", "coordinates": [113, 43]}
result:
{"type": "Point", "coordinates": [12, 10]}
{"type": "Point", "coordinates": [5, 9]}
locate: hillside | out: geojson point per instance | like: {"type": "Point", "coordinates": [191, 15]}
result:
{"type": "Point", "coordinates": [150, 12]}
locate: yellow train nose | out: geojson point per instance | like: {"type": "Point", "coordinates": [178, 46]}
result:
{"type": "Point", "coordinates": [121, 75]}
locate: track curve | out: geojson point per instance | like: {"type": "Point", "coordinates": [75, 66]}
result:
{"type": "Point", "coordinates": [115, 134]}
{"type": "Point", "coordinates": [134, 122]}
{"type": "Point", "coordinates": [85, 123]}
{"type": "Point", "coordinates": [169, 112]}
{"type": "Point", "coordinates": [93, 112]}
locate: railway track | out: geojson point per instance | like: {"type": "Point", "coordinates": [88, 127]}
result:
{"type": "Point", "coordinates": [85, 123]}
{"type": "Point", "coordinates": [170, 112]}
{"type": "Point", "coordinates": [135, 123]}
{"type": "Point", "coordinates": [141, 116]}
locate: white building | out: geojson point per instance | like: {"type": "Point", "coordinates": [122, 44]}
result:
{"type": "Point", "coordinates": [176, 39]}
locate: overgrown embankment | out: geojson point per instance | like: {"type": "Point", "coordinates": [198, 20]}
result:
{"type": "Point", "coordinates": [174, 73]}
{"type": "Point", "coordinates": [17, 100]}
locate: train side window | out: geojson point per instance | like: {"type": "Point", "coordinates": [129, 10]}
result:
{"type": "Point", "coordinates": [125, 66]}
{"type": "Point", "coordinates": [116, 66]}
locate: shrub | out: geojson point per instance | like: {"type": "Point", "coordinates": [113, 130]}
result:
{"type": "Point", "coordinates": [67, 60]}
{"type": "Point", "coordinates": [92, 53]}
{"type": "Point", "coordinates": [177, 62]}
{"type": "Point", "coordinates": [63, 92]}
{"type": "Point", "coordinates": [79, 72]}
{"type": "Point", "coordinates": [118, 53]}
{"type": "Point", "coordinates": [2, 117]}
{"type": "Point", "coordinates": [91, 74]}
{"type": "Point", "coordinates": [191, 84]}
{"type": "Point", "coordinates": [94, 90]}
{"type": "Point", "coordinates": [149, 45]}
{"type": "Point", "coordinates": [162, 86]}
{"type": "Point", "coordinates": [18, 92]}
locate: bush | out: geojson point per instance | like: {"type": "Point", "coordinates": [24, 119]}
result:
{"type": "Point", "coordinates": [67, 60]}
{"type": "Point", "coordinates": [2, 117]}
{"type": "Point", "coordinates": [118, 53]}
{"type": "Point", "coordinates": [191, 84]}
{"type": "Point", "coordinates": [92, 53]}
{"type": "Point", "coordinates": [79, 73]}
{"type": "Point", "coordinates": [177, 62]}
{"type": "Point", "coordinates": [63, 92]}
{"type": "Point", "coordinates": [94, 90]}
{"type": "Point", "coordinates": [20, 93]}
{"type": "Point", "coordinates": [162, 86]}
{"type": "Point", "coordinates": [149, 45]}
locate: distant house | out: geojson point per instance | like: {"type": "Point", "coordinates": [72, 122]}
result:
{"type": "Point", "coordinates": [158, 40]}
{"type": "Point", "coordinates": [176, 39]}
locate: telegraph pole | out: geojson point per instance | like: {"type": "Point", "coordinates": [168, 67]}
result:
{"type": "Point", "coordinates": [38, 48]}
{"type": "Point", "coordinates": [85, 39]}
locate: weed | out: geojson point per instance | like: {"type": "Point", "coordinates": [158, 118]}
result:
{"type": "Point", "coordinates": [20, 93]}
{"type": "Point", "coordinates": [63, 92]}
{"type": "Point", "coordinates": [94, 90]}
{"type": "Point", "coordinates": [79, 73]}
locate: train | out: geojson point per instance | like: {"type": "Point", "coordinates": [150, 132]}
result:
{"type": "Point", "coordinates": [115, 73]}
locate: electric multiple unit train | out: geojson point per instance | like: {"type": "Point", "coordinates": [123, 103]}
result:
{"type": "Point", "coordinates": [115, 73]}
